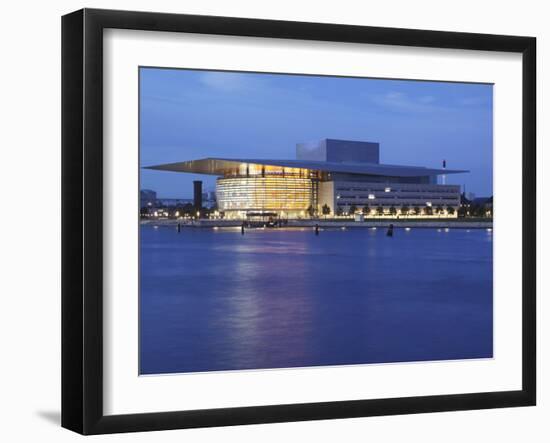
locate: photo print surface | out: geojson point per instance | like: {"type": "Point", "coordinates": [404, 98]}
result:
{"type": "Point", "coordinates": [292, 221]}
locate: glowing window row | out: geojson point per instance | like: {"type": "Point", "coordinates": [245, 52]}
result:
{"type": "Point", "coordinates": [258, 193]}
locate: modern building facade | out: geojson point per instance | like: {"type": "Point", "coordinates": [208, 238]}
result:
{"type": "Point", "coordinates": [332, 177]}
{"type": "Point", "coordinates": [147, 198]}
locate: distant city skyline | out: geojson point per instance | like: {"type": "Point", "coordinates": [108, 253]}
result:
{"type": "Point", "coordinates": [191, 114]}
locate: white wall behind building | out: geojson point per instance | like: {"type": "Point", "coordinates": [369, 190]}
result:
{"type": "Point", "coordinates": [30, 243]}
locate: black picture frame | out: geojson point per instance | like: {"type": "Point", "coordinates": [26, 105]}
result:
{"type": "Point", "coordinates": [82, 215]}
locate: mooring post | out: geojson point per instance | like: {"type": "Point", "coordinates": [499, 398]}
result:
{"type": "Point", "coordinates": [316, 228]}
{"type": "Point", "coordinates": [390, 231]}
{"type": "Point", "coordinates": [179, 228]}
{"type": "Point", "coordinates": [242, 229]}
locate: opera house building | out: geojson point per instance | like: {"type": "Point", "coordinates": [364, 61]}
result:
{"type": "Point", "coordinates": [330, 177]}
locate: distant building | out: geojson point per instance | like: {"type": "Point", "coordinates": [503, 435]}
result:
{"type": "Point", "coordinates": [209, 199]}
{"type": "Point", "coordinates": [174, 202]}
{"type": "Point", "coordinates": [147, 198]}
{"type": "Point", "coordinates": [339, 174]}
{"type": "Point", "coordinates": [212, 197]}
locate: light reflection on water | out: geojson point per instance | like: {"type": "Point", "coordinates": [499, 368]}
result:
{"type": "Point", "coordinates": [217, 300]}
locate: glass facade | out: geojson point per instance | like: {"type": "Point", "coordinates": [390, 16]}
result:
{"type": "Point", "coordinates": [289, 194]}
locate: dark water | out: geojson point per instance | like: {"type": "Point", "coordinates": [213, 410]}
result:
{"type": "Point", "coordinates": [215, 300]}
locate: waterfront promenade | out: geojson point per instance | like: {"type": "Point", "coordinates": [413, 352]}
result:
{"type": "Point", "coordinates": [335, 223]}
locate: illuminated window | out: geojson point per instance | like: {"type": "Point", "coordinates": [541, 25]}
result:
{"type": "Point", "coordinates": [264, 193]}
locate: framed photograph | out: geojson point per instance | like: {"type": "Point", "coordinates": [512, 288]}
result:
{"type": "Point", "coordinates": [268, 221]}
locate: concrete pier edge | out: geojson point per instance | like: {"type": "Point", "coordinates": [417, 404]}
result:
{"type": "Point", "coordinates": [454, 224]}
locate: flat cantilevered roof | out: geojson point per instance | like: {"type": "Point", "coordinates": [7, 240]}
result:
{"type": "Point", "coordinates": [219, 166]}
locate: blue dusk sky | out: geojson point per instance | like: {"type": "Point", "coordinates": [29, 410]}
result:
{"type": "Point", "coordinates": [191, 114]}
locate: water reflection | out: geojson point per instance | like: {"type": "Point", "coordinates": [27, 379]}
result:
{"type": "Point", "coordinates": [216, 300]}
